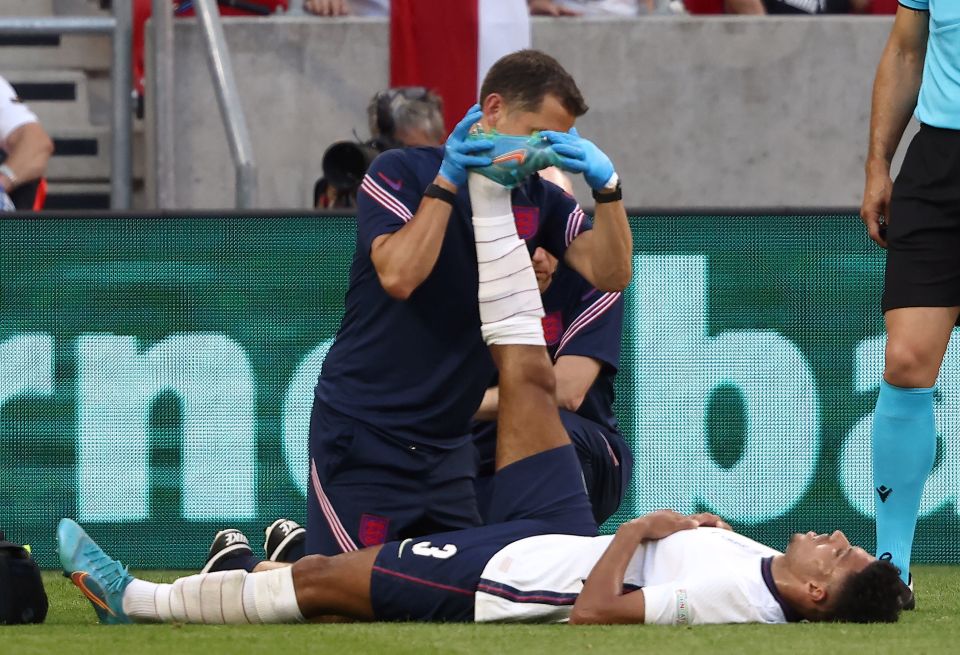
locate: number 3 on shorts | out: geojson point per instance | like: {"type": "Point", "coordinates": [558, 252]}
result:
{"type": "Point", "coordinates": [425, 549]}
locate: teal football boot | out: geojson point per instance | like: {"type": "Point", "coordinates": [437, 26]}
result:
{"type": "Point", "coordinates": [514, 157]}
{"type": "Point", "coordinates": [99, 577]}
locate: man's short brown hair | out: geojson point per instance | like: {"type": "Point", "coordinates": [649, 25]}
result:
{"type": "Point", "coordinates": [525, 77]}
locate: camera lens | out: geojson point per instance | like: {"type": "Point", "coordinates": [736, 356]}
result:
{"type": "Point", "coordinates": [345, 163]}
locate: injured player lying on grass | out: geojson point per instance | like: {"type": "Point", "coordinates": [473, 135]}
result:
{"type": "Point", "coordinates": [539, 558]}
{"type": "Point", "coordinates": [660, 568]}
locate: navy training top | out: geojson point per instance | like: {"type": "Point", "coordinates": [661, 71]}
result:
{"type": "Point", "coordinates": [416, 370]}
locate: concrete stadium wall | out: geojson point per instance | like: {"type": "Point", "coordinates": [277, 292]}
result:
{"type": "Point", "coordinates": [720, 112]}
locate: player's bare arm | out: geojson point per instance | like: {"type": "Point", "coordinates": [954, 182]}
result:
{"type": "Point", "coordinates": [29, 149]}
{"type": "Point", "coordinates": [575, 375]}
{"type": "Point", "coordinates": [895, 91]}
{"type": "Point", "coordinates": [603, 600]}
{"type": "Point", "coordinates": [405, 258]}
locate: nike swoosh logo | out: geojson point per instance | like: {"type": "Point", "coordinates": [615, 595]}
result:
{"type": "Point", "coordinates": [518, 156]}
{"type": "Point", "coordinates": [396, 185]}
{"type": "Point", "coordinates": [79, 578]}
{"type": "Point", "coordinates": [402, 544]}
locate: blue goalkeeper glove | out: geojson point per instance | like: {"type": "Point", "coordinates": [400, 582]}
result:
{"type": "Point", "coordinates": [460, 154]}
{"type": "Point", "coordinates": [6, 205]}
{"type": "Point", "coordinates": [577, 155]}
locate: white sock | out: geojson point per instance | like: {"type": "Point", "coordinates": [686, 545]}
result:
{"type": "Point", "coordinates": [233, 597]}
{"type": "Point", "coordinates": [510, 304]}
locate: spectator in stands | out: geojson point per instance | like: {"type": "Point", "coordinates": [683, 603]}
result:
{"type": "Point", "coordinates": [25, 150]}
{"type": "Point", "coordinates": [142, 9]}
{"type": "Point", "coordinates": [580, 7]}
{"type": "Point", "coordinates": [817, 6]}
{"type": "Point", "coordinates": [537, 7]}
{"type": "Point", "coordinates": [348, 7]}
{"type": "Point", "coordinates": [754, 7]}
{"type": "Point", "coordinates": [640, 7]}
{"type": "Point", "coordinates": [882, 6]}
{"type": "Point", "coordinates": [800, 7]}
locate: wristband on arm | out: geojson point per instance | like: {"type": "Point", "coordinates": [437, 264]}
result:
{"type": "Point", "coordinates": [608, 194]}
{"type": "Point", "coordinates": [438, 192]}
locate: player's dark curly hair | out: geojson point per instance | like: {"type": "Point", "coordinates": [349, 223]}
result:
{"type": "Point", "coordinates": [525, 77]}
{"type": "Point", "coordinates": [870, 596]}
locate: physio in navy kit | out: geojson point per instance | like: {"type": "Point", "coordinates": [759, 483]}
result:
{"type": "Point", "coordinates": [582, 329]}
{"type": "Point", "coordinates": [391, 454]}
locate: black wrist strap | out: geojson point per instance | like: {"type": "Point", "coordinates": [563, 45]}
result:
{"type": "Point", "coordinates": [605, 195]}
{"type": "Point", "coordinates": [438, 192]}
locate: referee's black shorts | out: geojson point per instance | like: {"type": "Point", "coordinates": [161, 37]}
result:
{"type": "Point", "coordinates": [923, 239]}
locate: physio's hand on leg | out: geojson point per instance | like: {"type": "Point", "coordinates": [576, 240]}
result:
{"type": "Point", "coordinates": [459, 153]}
{"type": "Point", "coordinates": [578, 155]}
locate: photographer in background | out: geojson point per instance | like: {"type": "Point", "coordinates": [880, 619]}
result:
{"type": "Point", "coordinates": [25, 150]}
{"type": "Point", "coordinates": [401, 117]}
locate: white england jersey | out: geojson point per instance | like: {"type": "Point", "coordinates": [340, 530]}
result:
{"type": "Point", "coordinates": [13, 113]}
{"type": "Point", "coordinates": [692, 577]}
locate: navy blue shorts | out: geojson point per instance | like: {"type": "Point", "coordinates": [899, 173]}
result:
{"type": "Point", "coordinates": [434, 578]}
{"type": "Point", "coordinates": [605, 458]}
{"type": "Point", "coordinates": [366, 489]}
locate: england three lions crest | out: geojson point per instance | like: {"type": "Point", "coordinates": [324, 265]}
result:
{"type": "Point", "coordinates": [527, 220]}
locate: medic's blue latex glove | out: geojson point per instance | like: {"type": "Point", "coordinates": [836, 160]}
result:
{"type": "Point", "coordinates": [577, 155]}
{"type": "Point", "coordinates": [460, 154]}
{"type": "Point", "coordinates": [6, 205]}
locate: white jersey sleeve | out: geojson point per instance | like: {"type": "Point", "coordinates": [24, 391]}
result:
{"type": "Point", "coordinates": [13, 113]}
{"type": "Point", "coordinates": [705, 600]}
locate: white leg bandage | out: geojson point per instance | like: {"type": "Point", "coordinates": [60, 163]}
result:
{"type": "Point", "coordinates": [233, 597]}
{"type": "Point", "coordinates": [510, 304]}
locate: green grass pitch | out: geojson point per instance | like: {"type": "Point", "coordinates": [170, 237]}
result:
{"type": "Point", "coordinates": [933, 628]}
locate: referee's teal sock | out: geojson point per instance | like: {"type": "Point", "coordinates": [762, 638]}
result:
{"type": "Point", "coordinates": [904, 448]}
